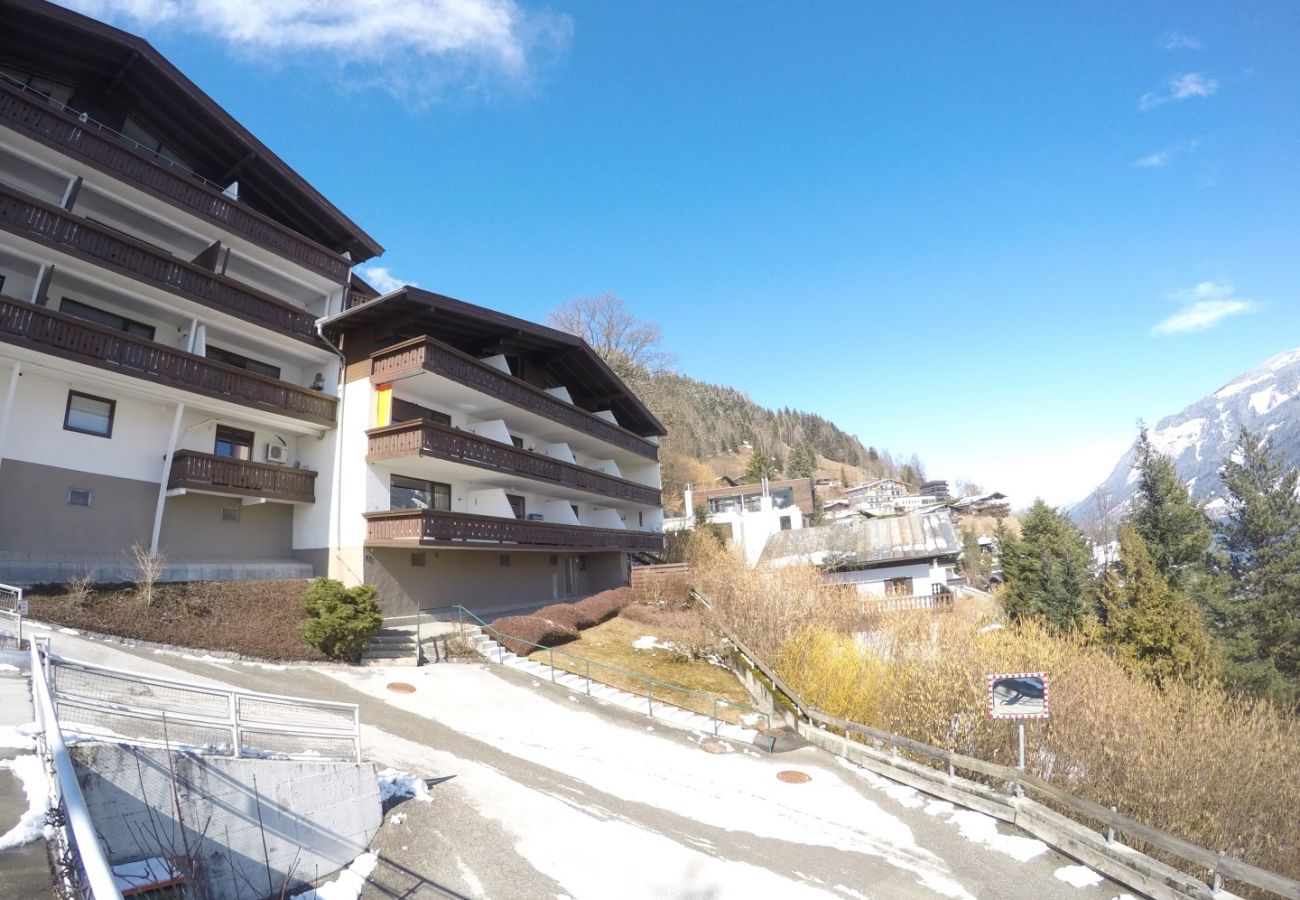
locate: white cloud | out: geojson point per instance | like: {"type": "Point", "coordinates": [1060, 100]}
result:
{"type": "Point", "coordinates": [1180, 87]}
{"type": "Point", "coordinates": [383, 280]}
{"type": "Point", "coordinates": [1154, 160]}
{"type": "Point", "coordinates": [1163, 157]}
{"type": "Point", "coordinates": [408, 45]}
{"type": "Point", "coordinates": [1176, 40]}
{"type": "Point", "coordinates": [1204, 306]}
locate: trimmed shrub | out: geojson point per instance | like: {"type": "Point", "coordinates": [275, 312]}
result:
{"type": "Point", "coordinates": [519, 634]}
{"type": "Point", "coordinates": [340, 620]}
{"type": "Point", "coordinates": [567, 614]}
{"type": "Point", "coordinates": [606, 605]}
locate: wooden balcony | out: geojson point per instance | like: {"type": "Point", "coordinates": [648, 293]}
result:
{"type": "Point", "coordinates": [426, 527]}
{"type": "Point", "coordinates": [224, 475]}
{"type": "Point", "coordinates": [421, 437]}
{"type": "Point", "coordinates": [26, 216]}
{"type": "Point", "coordinates": [433, 356]}
{"type": "Point", "coordinates": [58, 334]}
{"type": "Point", "coordinates": [105, 150]}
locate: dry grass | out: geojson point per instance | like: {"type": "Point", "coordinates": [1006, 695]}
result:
{"type": "Point", "coordinates": [613, 660]}
{"type": "Point", "coordinates": [251, 618]}
{"type": "Point", "coordinates": [1219, 771]}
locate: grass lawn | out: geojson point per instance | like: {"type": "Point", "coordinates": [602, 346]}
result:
{"type": "Point", "coordinates": [613, 660]}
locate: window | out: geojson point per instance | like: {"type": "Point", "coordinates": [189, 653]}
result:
{"type": "Point", "coordinates": [80, 496]}
{"type": "Point", "coordinates": [517, 504]}
{"type": "Point", "coordinates": [107, 319]}
{"type": "Point", "coordinates": [785, 523]}
{"type": "Point", "coordinates": [517, 441]}
{"type": "Point", "coordinates": [230, 513]}
{"type": "Point", "coordinates": [58, 94]}
{"type": "Point", "coordinates": [234, 442]}
{"type": "Point", "coordinates": [417, 560]}
{"type": "Point", "coordinates": [574, 507]}
{"type": "Point", "coordinates": [405, 411]}
{"type": "Point", "coordinates": [89, 415]}
{"type": "Point", "coordinates": [411, 493]}
{"type": "Point", "coordinates": [243, 362]}
{"type": "Point", "coordinates": [898, 587]}
{"type": "Point", "coordinates": [503, 559]}
{"type": "Point", "coordinates": [133, 130]}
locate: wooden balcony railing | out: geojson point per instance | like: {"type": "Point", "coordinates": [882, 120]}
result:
{"type": "Point", "coordinates": [434, 356]}
{"type": "Point", "coordinates": [222, 474]}
{"type": "Point", "coordinates": [26, 216]}
{"type": "Point", "coordinates": [62, 335]}
{"type": "Point", "coordinates": [105, 150]}
{"type": "Point", "coordinates": [421, 437]}
{"type": "Point", "coordinates": [397, 527]}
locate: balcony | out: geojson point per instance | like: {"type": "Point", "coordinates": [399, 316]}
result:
{"type": "Point", "coordinates": [420, 437]}
{"type": "Point", "coordinates": [28, 217]}
{"type": "Point", "coordinates": [56, 333]}
{"type": "Point", "coordinates": [107, 151]}
{"type": "Point", "coordinates": [424, 353]}
{"type": "Point", "coordinates": [240, 477]}
{"type": "Point", "coordinates": [428, 527]}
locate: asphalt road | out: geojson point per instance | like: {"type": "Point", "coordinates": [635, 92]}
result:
{"type": "Point", "coordinates": [540, 793]}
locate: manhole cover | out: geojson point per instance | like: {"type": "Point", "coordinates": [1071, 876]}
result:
{"type": "Point", "coordinates": [401, 687]}
{"type": "Point", "coordinates": [789, 776]}
{"type": "Point", "coordinates": [712, 746]}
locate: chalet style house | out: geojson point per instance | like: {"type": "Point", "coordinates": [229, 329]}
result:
{"type": "Point", "coordinates": [173, 298]}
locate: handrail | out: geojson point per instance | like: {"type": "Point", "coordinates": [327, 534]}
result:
{"type": "Point", "coordinates": [1220, 864]}
{"type": "Point", "coordinates": [438, 527]}
{"type": "Point", "coordinates": [637, 676]}
{"type": "Point", "coordinates": [89, 852]}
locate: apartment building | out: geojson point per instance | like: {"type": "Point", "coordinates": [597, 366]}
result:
{"type": "Point", "coordinates": [162, 381]}
{"type": "Point", "coordinates": [489, 461]}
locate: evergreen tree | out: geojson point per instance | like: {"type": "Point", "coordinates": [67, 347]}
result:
{"type": "Point", "coordinates": [761, 465]}
{"type": "Point", "coordinates": [974, 563]}
{"type": "Point", "coordinates": [1262, 536]}
{"type": "Point", "coordinates": [1048, 569]}
{"type": "Point", "coordinates": [1151, 626]}
{"type": "Point", "coordinates": [1174, 526]}
{"type": "Point", "coordinates": [802, 462]}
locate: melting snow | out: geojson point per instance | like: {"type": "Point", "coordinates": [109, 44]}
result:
{"type": "Point", "coordinates": [29, 770]}
{"type": "Point", "coordinates": [650, 642]}
{"type": "Point", "coordinates": [400, 785]}
{"type": "Point", "coordinates": [18, 737]}
{"type": "Point", "coordinates": [1079, 876]}
{"type": "Point", "coordinates": [6, 667]}
{"type": "Point", "coordinates": [349, 883]}
{"type": "Point", "coordinates": [981, 829]}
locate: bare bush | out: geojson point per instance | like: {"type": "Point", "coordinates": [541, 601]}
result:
{"type": "Point", "coordinates": [149, 568]}
{"type": "Point", "coordinates": [80, 588]}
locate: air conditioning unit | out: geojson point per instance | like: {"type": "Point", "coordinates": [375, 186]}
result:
{"type": "Point", "coordinates": [277, 453]}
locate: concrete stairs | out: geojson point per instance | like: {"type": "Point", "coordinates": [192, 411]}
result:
{"type": "Point", "coordinates": [392, 646]}
{"type": "Point", "coordinates": [675, 716]}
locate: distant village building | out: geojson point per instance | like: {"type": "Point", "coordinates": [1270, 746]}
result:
{"type": "Point", "coordinates": [749, 514]}
{"type": "Point", "coordinates": [901, 556]}
{"type": "Point", "coordinates": [994, 505]}
{"type": "Point", "coordinates": [936, 489]}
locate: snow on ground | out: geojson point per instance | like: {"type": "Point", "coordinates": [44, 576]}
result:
{"type": "Point", "coordinates": [395, 785]}
{"type": "Point", "coordinates": [649, 642]}
{"type": "Point", "coordinates": [18, 737]}
{"type": "Point", "coordinates": [29, 770]}
{"type": "Point", "coordinates": [8, 667]}
{"type": "Point", "coordinates": [349, 883]}
{"type": "Point", "coordinates": [1079, 876]}
{"type": "Point", "coordinates": [734, 791]}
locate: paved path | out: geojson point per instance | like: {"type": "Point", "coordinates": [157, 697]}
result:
{"type": "Point", "coordinates": [542, 792]}
{"type": "Point", "coordinates": [24, 871]}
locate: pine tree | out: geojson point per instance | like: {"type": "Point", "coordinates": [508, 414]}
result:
{"type": "Point", "coordinates": [974, 562]}
{"type": "Point", "coordinates": [761, 465]}
{"type": "Point", "coordinates": [1048, 569]}
{"type": "Point", "coordinates": [1262, 535]}
{"type": "Point", "coordinates": [1151, 626]}
{"type": "Point", "coordinates": [802, 462]}
{"type": "Point", "coordinates": [1173, 525]}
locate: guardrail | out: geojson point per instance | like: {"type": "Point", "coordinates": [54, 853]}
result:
{"type": "Point", "coordinates": [85, 870]}
{"type": "Point", "coordinates": [13, 608]}
{"type": "Point", "coordinates": [159, 712]}
{"type": "Point", "coordinates": [582, 666]}
{"type": "Point", "coordinates": [1219, 864]}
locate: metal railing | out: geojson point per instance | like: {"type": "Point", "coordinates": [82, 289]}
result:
{"type": "Point", "coordinates": [1018, 782]}
{"type": "Point", "coordinates": [99, 701]}
{"type": "Point", "coordinates": [12, 608]}
{"type": "Point", "coordinates": [206, 471]}
{"type": "Point", "coordinates": [83, 867]}
{"type": "Point", "coordinates": [585, 667]}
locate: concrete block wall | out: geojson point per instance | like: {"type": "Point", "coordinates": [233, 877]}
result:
{"type": "Point", "coordinates": [252, 825]}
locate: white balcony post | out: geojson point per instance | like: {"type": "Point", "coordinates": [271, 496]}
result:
{"type": "Point", "coordinates": [8, 406]}
{"type": "Point", "coordinates": [166, 472]}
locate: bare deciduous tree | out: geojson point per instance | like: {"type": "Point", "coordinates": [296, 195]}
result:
{"type": "Point", "coordinates": [628, 344]}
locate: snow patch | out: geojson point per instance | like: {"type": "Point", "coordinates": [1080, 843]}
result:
{"type": "Point", "coordinates": [395, 785]}
{"type": "Point", "coordinates": [650, 642]}
{"type": "Point", "coordinates": [19, 737]}
{"type": "Point", "coordinates": [1173, 441]}
{"type": "Point", "coordinates": [1078, 876]}
{"type": "Point", "coordinates": [6, 667]}
{"type": "Point", "coordinates": [349, 884]}
{"type": "Point", "coordinates": [68, 631]}
{"type": "Point", "coordinates": [981, 829]}
{"type": "Point", "coordinates": [398, 818]}
{"type": "Point", "coordinates": [939, 808]}
{"type": "Point", "coordinates": [1267, 400]}
{"type": "Point", "coordinates": [29, 770]}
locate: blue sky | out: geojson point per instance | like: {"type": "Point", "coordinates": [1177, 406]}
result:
{"type": "Point", "coordinates": [954, 230]}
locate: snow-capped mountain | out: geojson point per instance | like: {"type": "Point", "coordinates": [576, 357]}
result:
{"type": "Point", "coordinates": [1198, 439]}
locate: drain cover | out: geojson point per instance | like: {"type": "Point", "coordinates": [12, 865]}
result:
{"type": "Point", "coordinates": [401, 687]}
{"type": "Point", "coordinates": [712, 746]}
{"type": "Point", "coordinates": [790, 776]}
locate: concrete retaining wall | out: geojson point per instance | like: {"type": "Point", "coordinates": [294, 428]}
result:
{"type": "Point", "coordinates": [250, 825]}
